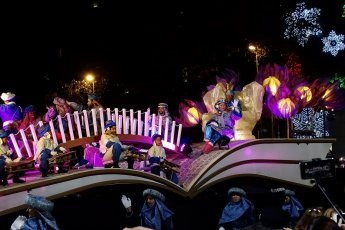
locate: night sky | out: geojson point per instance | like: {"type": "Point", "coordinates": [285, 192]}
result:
{"type": "Point", "coordinates": [138, 45]}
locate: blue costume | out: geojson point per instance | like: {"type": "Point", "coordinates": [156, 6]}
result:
{"type": "Point", "coordinates": [6, 156]}
{"type": "Point", "coordinates": [221, 123]}
{"type": "Point", "coordinates": [237, 214]}
{"type": "Point", "coordinates": [293, 207]}
{"type": "Point", "coordinates": [10, 112]}
{"type": "Point", "coordinates": [47, 148]}
{"type": "Point", "coordinates": [157, 155]}
{"type": "Point", "coordinates": [42, 221]}
{"type": "Point", "coordinates": [111, 147]}
{"type": "Point", "coordinates": [158, 216]}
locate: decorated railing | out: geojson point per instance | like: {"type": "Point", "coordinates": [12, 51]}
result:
{"type": "Point", "coordinates": [92, 122]}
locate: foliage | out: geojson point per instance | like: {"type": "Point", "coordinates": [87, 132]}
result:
{"type": "Point", "coordinates": [77, 90]}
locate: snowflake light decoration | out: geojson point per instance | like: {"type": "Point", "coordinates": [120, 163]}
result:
{"type": "Point", "coordinates": [333, 43]}
{"type": "Point", "coordinates": [302, 23]}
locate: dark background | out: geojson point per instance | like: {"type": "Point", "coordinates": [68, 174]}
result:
{"type": "Point", "coordinates": [143, 46]}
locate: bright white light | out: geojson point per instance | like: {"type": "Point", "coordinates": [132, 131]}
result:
{"type": "Point", "coordinates": [90, 78]}
{"type": "Point", "coordinates": [168, 145]}
{"type": "Point", "coordinates": [302, 23]}
{"type": "Point", "coordinates": [333, 43]}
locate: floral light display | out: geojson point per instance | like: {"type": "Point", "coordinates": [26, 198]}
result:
{"type": "Point", "coordinates": [333, 43]}
{"type": "Point", "coordinates": [302, 23]}
{"type": "Point", "coordinates": [286, 107]}
{"type": "Point", "coordinates": [190, 113]}
{"type": "Point", "coordinates": [286, 95]}
{"type": "Point", "coordinates": [305, 93]}
{"type": "Point", "coordinates": [271, 84]}
{"type": "Point", "coordinates": [326, 95]}
{"type": "Point", "coordinates": [296, 93]}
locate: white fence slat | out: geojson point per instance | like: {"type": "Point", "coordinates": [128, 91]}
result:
{"type": "Point", "coordinates": [77, 121]}
{"type": "Point", "coordinates": [101, 113]}
{"type": "Point", "coordinates": [70, 127]}
{"type": "Point", "coordinates": [131, 115]}
{"type": "Point", "coordinates": [94, 122]}
{"type": "Point", "coordinates": [26, 143]}
{"type": "Point", "coordinates": [153, 124]}
{"type": "Point", "coordinates": [172, 132]}
{"type": "Point", "coordinates": [62, 131]}
{"type": "Point", "coordinates": [15, 145]}
{"type": "Point", "coordinates": [86, 122]}
{"type": "Point", "coordinates": [146, 125]}
{"type": "Point", "coordinates": [140, 128]}
{"type": "Point", "coordinates": [117, 120]}
{"type": "Point", "coordinates": [52, 130]}
{"type": "Point", "coordinates": [124, 117]}
{"type": "Point", "coordinates": [33, 132]}
{"type": "Point", "coordinates": [108, 115]}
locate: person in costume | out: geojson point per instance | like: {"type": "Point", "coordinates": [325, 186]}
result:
{"type": "Point", "coordinates": [292, 206]}
{"type": "Point", "coordinates": [154, 213]}
{"type": "Point", "coordinates": [6, 158]}
{"type": "Point", "coordinates": [93, 102]}
{"type": "Point", "coordinates": [111, 147]}
{"type": "Point", "coordinates": [30, 118]}
{"type": "Point", "coordinates": [221, 123]}
{"type": "Point", "coordinates": [239, 212]}
{"type": "Point", "coordinates": [155, 155]}
{"type": "Point", "coordinates": [10, 113]}
{"type": "Point", "coordinates": [47, 148]}
{"type": "Point", "coordinates": [163, 111]}
{"type": "Point", "coordinates": [39, 215]}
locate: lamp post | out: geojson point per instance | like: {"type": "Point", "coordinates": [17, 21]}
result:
{"type": "Point", "coordinates": [259, 51]}
{"type": "Point", "coordinates": [254, 49]}
{"type": "Point", "coordinates": [91, 78]}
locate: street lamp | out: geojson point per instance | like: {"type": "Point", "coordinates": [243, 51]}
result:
{"type": "Point", "coordinates": [259, 52]}
{"type": "Point", "coordinates": [253, 49]}
{"type": "Point", "coordinates": [91, 78]}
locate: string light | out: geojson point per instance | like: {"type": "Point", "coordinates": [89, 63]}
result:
{"type": "Point", "coordinates": [302, 23]}
{"type": "Point", "coordinates": [333, 43]}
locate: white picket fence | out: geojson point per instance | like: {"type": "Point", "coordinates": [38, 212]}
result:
{"type": "Point", "coordinates": [127, 122]}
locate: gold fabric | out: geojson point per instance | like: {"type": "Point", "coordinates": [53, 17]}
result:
{"type": "Point", "coordinates": [251, 98]}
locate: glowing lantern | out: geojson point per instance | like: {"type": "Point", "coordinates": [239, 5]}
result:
{"type": "Point", "coordinates": [193, 115]}
{"type": "Point", "coordinates": [273, 84]}
{"type": "Point", "coordinates": [305, 92]}
{"type": "Point", "coordinates": [286, 107]}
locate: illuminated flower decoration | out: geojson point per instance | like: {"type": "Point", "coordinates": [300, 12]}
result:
{"type": "Point", "coordinates": [304, 93]}
{"type": "Point", "coordinates": [302, 23]}
{"type": "Point", "coordinates": [333, 43]}
{"type": "Point", "coordinates": [277, 71]}
{"type": "Point", "coordinates": [326, 95]}
{"type": "Point", "coordinates": [286, 107]}
{"type": "Point", "coordinates": [190, 113]}
{"type": "Point", "coordinates": [271, 84]}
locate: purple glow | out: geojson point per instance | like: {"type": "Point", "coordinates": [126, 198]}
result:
{"type": "Point", "coordinates": [182, 147]}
